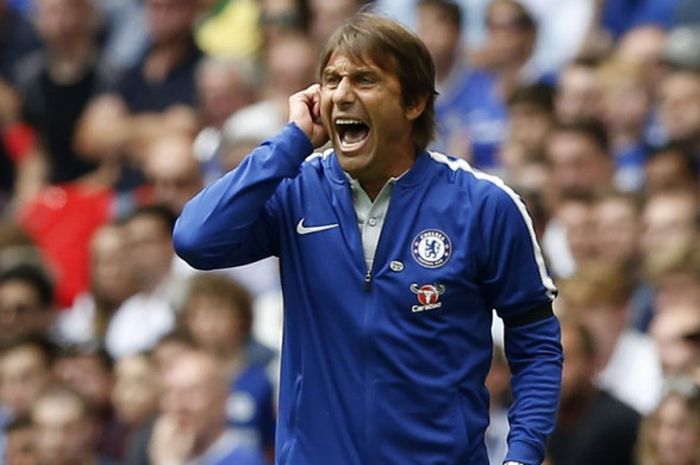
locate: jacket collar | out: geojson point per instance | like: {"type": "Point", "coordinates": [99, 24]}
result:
{"type": "Point", "coordinates": [420, 170]}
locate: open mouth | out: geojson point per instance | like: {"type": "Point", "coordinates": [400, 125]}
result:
{"type": "Point", "coordinates": [352, 133]}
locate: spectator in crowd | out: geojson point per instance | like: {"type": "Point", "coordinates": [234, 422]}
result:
{"type": "Point", "coordinates": [679, 106]}
{"type": "Point", "coordinates": [148, 314]}
{"type": "Point", "coordinates": [671, 434]}
{"type": "Point", "coordinates": [24, 371]}
{"type": "Point", "coordinates": [61, 221]}
{"type": "Point", "coordinates": [155, 97]}
{"type": "Point", "coordinates": [26, 301]}
{"type": "Point", "coordinates": [218, 314]}
{"type": "Point", "coordinates": [569, 237]}
{"type": "Point", "coordinates": [670, 227]}
{"type": "Point", "coordinates": [20, 443]}
{"type": "Point", "coordinates": [580, 159]}
{"type": "Point", "coordinates": [642, 46]}
{"type": "Point", "coordinates": [440, 28]}
{"type": "Point", "coordinates": [88, 371]}
{"type": "Point", "coordinates": [223, 87]}
{"type": "Point", "coordinates": [165, 74]}
{"type": "Point", "coordinates": [290, 64]}
{"type": "Point", "coordinates": [86, 322]}
{"type": "Point", "coordinates": [57, 84]}
{"type": "Point", "coordinates": [173, 171]}
{"type": "Point", "coordinates": [578, 96]}
{"type": "Point", "coordinates": [592, 426]}
{"type": "Point", "coordinates": [170, 347]}
{"type": "Point", "coordinates": [191, 428]}
{"type": "Point", "coordinates": [618, 16]}
{"type": "Point", "coordinates": [618, 226]}
{"type": "Point", "coordinates": [675, 331]}
{"type": "Point", "coordinates": [670, 167]}
{"type": "Point", "coordinates": [64, 429]}
{"type": "Point", "coordinates": [531, 110]}
{"type": "Point", "coordinates": [676, 279]}
{"type": "Point", "coordinates": [511, 38]}
{"type": "Point", "coordinates": [627, 362]}
{"type": "Point", "coordinates": [625, 108]}
{"type": "Point", "coordinates": [617, 238]}
{"type": "Point", "coordinates": [135, 401]}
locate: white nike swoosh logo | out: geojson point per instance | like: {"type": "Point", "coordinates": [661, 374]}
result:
{"type": "Point", "coordinates": [301, 229]}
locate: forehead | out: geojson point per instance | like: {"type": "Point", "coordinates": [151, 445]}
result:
{"type": "Point", "coordinates": [681, 82]}
{"type": "Point", "coordinates": [57, 410]}
{"type": "Point", "coordinates": [360, 54]}
{"type": "Point", "coordinates": [18, 289]}
{"type": "Point", "coordinates": [21, 358]}
{"type": "Point", "coordinates": [342, 61]}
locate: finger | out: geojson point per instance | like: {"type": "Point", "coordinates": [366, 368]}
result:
{"type": "Point", "coordinates": [316, 111]}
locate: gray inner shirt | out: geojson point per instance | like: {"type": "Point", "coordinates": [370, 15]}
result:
{"type": "Point", "coordinates": [370, 215]}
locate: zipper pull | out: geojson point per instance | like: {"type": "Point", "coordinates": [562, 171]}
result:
{"type": "Point", "coordinates": [368, 280]}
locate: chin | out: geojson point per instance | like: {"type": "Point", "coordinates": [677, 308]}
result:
{"type": "Point", "coordinates": [353, 165]}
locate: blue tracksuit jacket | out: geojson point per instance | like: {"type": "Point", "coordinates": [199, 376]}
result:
{"type": "Point", "coordinates": [387, 366]}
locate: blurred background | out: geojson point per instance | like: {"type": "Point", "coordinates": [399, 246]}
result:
{"type": "Point", "coordinates": [113, 113]}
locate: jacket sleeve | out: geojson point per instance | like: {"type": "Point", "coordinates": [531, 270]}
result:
{"type": "Point", "coordinates": [517, 285]}
{"type": "Point", "coordinates": [234, 221]}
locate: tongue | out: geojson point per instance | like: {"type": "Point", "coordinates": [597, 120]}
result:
{"type": "Point", "coordinates": [355, 134]}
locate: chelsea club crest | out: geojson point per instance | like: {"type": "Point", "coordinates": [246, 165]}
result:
{"type": "Point", "coordinates": [432, 248]}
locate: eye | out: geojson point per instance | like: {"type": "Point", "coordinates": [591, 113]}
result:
{"type": "Point", "coordinates": [366, 79]}
{"type": "Point", "coordinates": [330, 80]}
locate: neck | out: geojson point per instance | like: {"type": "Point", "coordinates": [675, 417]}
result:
{"type": "Point", "coordinates": [373, 186]}
{"type": "Point", "coordinates": [401, 157]}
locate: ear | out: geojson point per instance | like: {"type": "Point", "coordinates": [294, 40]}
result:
{"type": "Point", "coordinates": [415, 109]}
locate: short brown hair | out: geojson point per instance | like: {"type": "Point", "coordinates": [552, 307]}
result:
{"type": "Point", "coordinates": [394, 48]}
{"type": "Point", "coordinates": [223, 289]}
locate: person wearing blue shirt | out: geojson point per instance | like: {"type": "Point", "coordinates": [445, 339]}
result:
{"type": "Point", "coordinates": [392, 259]}
{"type": "Point", "coordinates": [505, 63]}
{"type": "Point", "coordinates": [619, 16]}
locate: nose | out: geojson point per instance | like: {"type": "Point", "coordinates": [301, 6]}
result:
{"type": "Point", "coordinates": [344, 94]}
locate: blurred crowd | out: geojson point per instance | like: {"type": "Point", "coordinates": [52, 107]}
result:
{"type": "Point", "coordinates": [113, 113]}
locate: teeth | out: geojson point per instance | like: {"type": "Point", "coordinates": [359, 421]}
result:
{"type": "Point", "coordinates": [348, 121]}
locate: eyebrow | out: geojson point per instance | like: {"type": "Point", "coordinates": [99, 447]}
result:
{"type": "Point", "coordinates": [363, 71]}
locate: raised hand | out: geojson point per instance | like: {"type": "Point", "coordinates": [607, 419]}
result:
{"type": "Point", "coordinates": [305, 112]}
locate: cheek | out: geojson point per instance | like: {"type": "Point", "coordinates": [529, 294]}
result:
{"type": "Point", "coordinates": [325, 108]}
